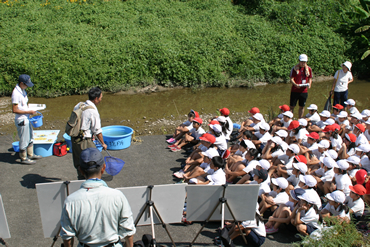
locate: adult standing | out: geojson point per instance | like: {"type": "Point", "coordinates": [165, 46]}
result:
{"type": "Point", "coordinates": [301, 78]}
{"type": "Point", "coordinates": [22, 112]}
{"type": "Point", "coordinates": [90, 126]}
{"type": "Point", "coordinates": [342, 78]}
{"type": "Point", "coordinates": [96, 214]}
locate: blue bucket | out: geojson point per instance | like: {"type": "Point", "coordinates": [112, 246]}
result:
{"type": "Point", "coordinates": [98, 145]}
{"type": "Point", "coordinates": [117, 137]}
{"type": "Point", "coordinates": [15, 146]}
{"type": "Point", "coordinates": [45, 150]}
{"type": "Point", "coordinates": [68, 140]}
{"type": "Point", "coordinates": [236, 126]}
{"type": "Point", "coordinates": [36, 121]}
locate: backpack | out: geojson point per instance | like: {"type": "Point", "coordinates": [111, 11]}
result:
{"type": "Point", "coordinates": [60, 148]}
{"type": "Point", "coordinates": [74, 123]}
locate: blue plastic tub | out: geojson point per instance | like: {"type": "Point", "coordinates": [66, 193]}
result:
{"type": "Point", "coordinates": [36, 121]}
{"type": "Point", "coordinates": [15, 146]}
{"type": "Point", "coordinates": [117, 137]}
{"type": "Point", "coordinates": [68, 140]}
{"type": "Point", "coordinates": [45, 150]}
{"type": "Point", "coordinates": [98, 146]}
{"type": "Point", "coordinates": [236, 126]}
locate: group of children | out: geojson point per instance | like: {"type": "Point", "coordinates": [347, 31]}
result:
{"type": "Point", "coordinates": [308, 169]}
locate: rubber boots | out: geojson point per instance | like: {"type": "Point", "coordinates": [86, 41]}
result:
{"type": "Point", "coordinates": [30, 153]}
{"type": "Point", "coordinates": [24, 159]}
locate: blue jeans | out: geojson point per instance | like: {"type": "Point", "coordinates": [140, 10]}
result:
{"type": "Point", "coordinates": [340, 97]}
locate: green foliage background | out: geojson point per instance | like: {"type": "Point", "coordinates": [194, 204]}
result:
{"type": "Point", "coordinates": [68, 47]}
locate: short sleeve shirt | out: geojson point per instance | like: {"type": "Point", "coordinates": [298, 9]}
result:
{"type": "Point", "coordinates": [19, 97]}
{"type": "Point", "coordinates": [342, 80]}
{"type": "Point", "coordinates": [300, 78]}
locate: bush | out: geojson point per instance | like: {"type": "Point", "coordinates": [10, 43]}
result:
{"type": "Point", "coordinates": [69, 46]}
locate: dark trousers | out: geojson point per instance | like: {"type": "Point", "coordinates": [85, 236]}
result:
{"type": "Point", "coordinates": [77, 146]}
{"type": "Point", "coordinates": [340, 97]}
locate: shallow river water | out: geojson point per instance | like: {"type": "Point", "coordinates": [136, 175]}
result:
{"type": "Point", "coordinates": [158, 113]}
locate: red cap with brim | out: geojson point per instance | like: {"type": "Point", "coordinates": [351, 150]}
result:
{"type": "Point", "coordinates": [198, 120]}
{"type": "Point", "coordinates": [208, 138]}
{"type": "Point", "coordinates": [301, 158]}
{"type": "Point", "coordinates": [313, 135]}
{"type": "Point", "coordinates": [254, 110]}
{"type": "Point", "coordinates": [360, 127]}
{"type": "Point", "coordinates": [361, 176]}
{"type": "Point", "coordinates": [338, 106]}
{"type": "Point", "coordinates": [293, 125]}
{"type": "Point", "coordinates": [284, 108]}
{"type": "Point", "coordinates": [359, 189]}
{"type": "Point", "coordinates": [225, 111]}
{"type": "Point", "coordinates": [213, 122]}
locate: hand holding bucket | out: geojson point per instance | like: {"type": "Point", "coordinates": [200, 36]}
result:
{"type": "Point", "coordinates": [36, 121]}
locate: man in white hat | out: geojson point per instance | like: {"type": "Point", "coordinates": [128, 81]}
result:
{"type": "Point", "coordinates": [342, 78]}
{"type": "Point", "coordinates": [301, 79]}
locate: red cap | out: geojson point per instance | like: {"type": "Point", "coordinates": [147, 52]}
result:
{"type": "Point", "coordinates": [351, 137]}
{"type": "Point", "coordinates": [338, 106]}
{"type": "Point", "coordinates": [213, 122]}
{"type": "Point", "coordinates": [225, 111]}
{"type": "Point", "coordinates": [359, 189]}
{"type": "Point", "coordinates": [301, 158]}
{"type": "Point", "coordinates": [313, 135]}
{"type": "Point", "coordinates": [360, 127]}
{"type": "Point", "coordinates": [360, 176]}
{"type": "Point", "coordinates": [198, 120]}
{"type": "Point", "coordinates": [208, 138]}
{"type": "Point", "coordinates": [195, 113]}
{"type": "Point", "coordinates": [293, 125]}
{"type": "Point", "coordinates": [254, 110]}
{"type": "Point", "coordinates": [284, 108]}
{"type": "Point", "coordinates": [336, 126]}
{"type": "Point", "coordinates": [328, 128]}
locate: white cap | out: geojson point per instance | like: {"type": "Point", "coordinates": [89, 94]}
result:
{"type": "Point", "coordinates": [332, 153]}
{"type": "Point", "coordinates": [289, 114]}
{"type": "Point", "coordinates": [368, 121]}
{"type": "Point", "coordinates": [357, 115]}
{"type": "Point", "coordinates": [350, 102]}
{"type": "Point", "coordinates": [363, 148]}
{"type": "Point", "coordinates": [324, 144]}
{"type": "Point", "coordinates": [342, 114]}
{"type": "Point", "coordinates": [277, 140]}
{"type": "Point", "coordinates": [310, 181]}
{"type": "Point", "coordinates": [258, 116]}
{"type": "Point", "coordinates": [221, 119]}
{"type": "Point", "coordinates": [249, 144]}
{"type": "Point", "coordinates": [295, 148]}
{"type": "Point", "coordinates": [325, 113]}
{"type": "Point", "coordinates": [312, 107]}
{"type": "Point", "coordinates": [342, 164]}
{"type": "Point", "coordinates": [216, 127]}
{"type": "Point", "coordinates": [348, 65]}
{"type": "Point", "coordinates": [265, 126]}
{"type": "Point", "coordinates": [308, 196]}
{"type": "Point", "coordinates": [354, 160]}
{"type": "Point", "coordinates": [353, 110]}
{"type": "Point", "coordinates": [281, 182]}
{"type": "Point", "coordinates": [337, 196]}
{"type": "Point", "coordinates": [329, 121]}
{"type": "Point", "coordinates": [303, 58]}
{"type": "Point", "coordinates": [365, 113]}
{"type": "Point", "coordinates": [302, 167]}
{"type": "Point", "coordinates": [302, 122]}
{"type": "Point", "coordinates": [282, 133]}
{"type": "Point", "coordinates": [211, 152]}
{"type": "Point", "coordinates": [329, 162]}
{"type": "Point", "coordinates": [265, 164]}
{"type": "Point", "coordinates": [301, 178]}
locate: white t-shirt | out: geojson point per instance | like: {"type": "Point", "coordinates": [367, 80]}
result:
{"type": "Point", "coordinates": [19, 97]}
{"type": "Point", "coordinates": [343, 181]}
{"type": "Point", "coordinates": [335, 211]}
{"type": "Point", "coordinates": [250, 166]}
{"type": "Point", "coordinates": [357, 206]}
{"type": "Point", "coordinates": [197, 133]}
{"type": "Point", "coordinates": [264, 188]}
{"type": "Point", "coordinates": [263, 138]}
{"type": "Point", "coordinates": [286, 124]}
{"type": "Point", "coordinates": [259, 228]}
{"type": "Point", "coordinates": [336, 144]}
{"type": "Point", "coordinates": [230, 130]}
{"type": "Point", "coordinates": [365, 162]}
{"type": "Point", "coordinates": [281, 198]}
{"type": "Point", "coordinates": [314, 117]}
{"type": "Point", "coordinates": [367, 135]}
{"type": "Point", "coordinates": [221, 142]}
{"type": "Point", "coordinates": [217, 178]}
{"type": "Point", "coordinates": [361, 139]}
{"type": "Point", "coordinates": [328, 175]}
{"type": "Point", "coordinates": [310, 218]}
{"type": "Point", "coordinates": [207, 168]}
{"type": "Point", "coordinates": [188, 125]}
{"type": "Point", "coordinates": [302, 135]}
{"type": "Point", "coordinates": [342, 80]}
{"type": "Point", "coordinates": [293, 179]}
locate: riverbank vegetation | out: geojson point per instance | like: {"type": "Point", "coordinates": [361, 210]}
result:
{"type": "Point", "coordinates": [69, 46]}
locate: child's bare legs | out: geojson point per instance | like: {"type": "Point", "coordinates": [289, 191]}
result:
{"type": "Point", "coordinates": [244, 179]}
{"type": "Point", "coordinates": [302, 229]}
{"type": "Point", "coordinates": [195, 172]}
{"type": "Point", "coordinates": [239, 168]}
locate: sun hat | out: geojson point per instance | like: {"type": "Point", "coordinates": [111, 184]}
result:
{"type": "Point", "coordinates": [308, 196]}
{"type": "Point", "coordinates": [363, 148]}
{"type": "Point", "coordinates": [336, 196]}
{"type": "Point", "coordinates": [357, 115]}
{"type": "Point", "coordinates": [221, 119]}
{"type": "Point", "coordinates": [350, 137]}
{"type": "Point", "coordinates": [301, 178]}
{"type": "Point", "coordinates": [361, 176]}
{"type": "Point", "coordinates": [258, 116]}
{"type": "Point", "coordinates": [302, 167]}
{"type": "Point", "coordinates": [350, 102]}
{"type": "Point", "coordinates": [294, 148]}
{"type": "Point", "coordinates": [312, 107]}
{"type": "Point", "coordinates": [313, 135]}
{"type": "Point", "coordinates": [208, 138]}
{"type": "Point", "coordinates": [293, 125]}
{"type": "Point", "coordinates": [211, 152]}
{"type": "Point", "coordinates": [282, 133]}
{"type": "Point", "coordinates": [365, 113]}
{"type": "Point", "coordinates": [254, 110]}
{"type": "Point", "coordinates": [342, 114]}
{"type": "Point", "coordinates": [301, 158]}
{"type": "Point", "coordinates": [248, 144]}
{"type": "Point", "coordinates": [329, 162]}
{"type": "Point", "coordinates": [265, 164]}
{"type": "Point", "coordinates": [303, 58]}
{"type": "Point", "coordinates": [348, 65]}
{"type": "Point", "coordinates": [224, 111]}
{"type": "Point", "coordinates": [360, 127]}
{"type": "Point", "coordinates": [338, 106]}
{"type": "Point", "coordinates": [198, 120]}
{"type": "Point", "coordinates": [329, 121]}
{"type": "Point", "coordinates": [91, 158]}
{"type": "Point", "coordinates": [277, 140]}
{"type": "Point", "coordinates": [26, 79]}
{"type": "Point", "coordinates": [302, 122]}
{"type": "Point", "coordinates": [342, 164]}
{"type": "Point", "coordinates": [324, 144]}
{"type": "Point", "coordinates": [353, 160]}
{"type": "Point", "coordinates": [359, 189]}
{"type": "Point", "coordinates": [289, 114]}
{"type": "Point", "coordinates": [216, 127]}
{"type": "Point", "coordinates": [281, 182]}
{"type": "Point", "coordinates": [262, 173]}
{"type": "Point", "coordinates": [332, 153]}
{"type": "Point", "coordinates": [325, 113]}
{"type": "Point", "coordinates": [265, 126]}
{"type": "Point", "coordinates": [297, 192]}
{"type": "Point", "coordinates": [284, 108]}
{"type": "Point", "coordinates": [310, 180]}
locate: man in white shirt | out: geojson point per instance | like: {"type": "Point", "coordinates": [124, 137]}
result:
{"type": "Point", "coordinates": [96, 214]}
{"type": "Point", "coordinates": [90, 126]}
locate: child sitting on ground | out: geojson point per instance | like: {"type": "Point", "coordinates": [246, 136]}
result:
{"type": "Point", "coordinates": [276, 197]}
{"type": "Point", "coordinates": [204, 168]}
{"type": "Point", "coordinates": [184, 127]}
{"type": "Point", "coordinates": [217, 177]}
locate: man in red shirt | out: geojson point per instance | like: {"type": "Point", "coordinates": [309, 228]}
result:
{"type": "Point", "coordinates": [301, 78]}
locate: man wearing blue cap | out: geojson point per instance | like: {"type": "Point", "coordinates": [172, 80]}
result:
{"type": "Point", "coordinates": [96, 214]}
{"type": "Point", "coordinates": [22, 112]}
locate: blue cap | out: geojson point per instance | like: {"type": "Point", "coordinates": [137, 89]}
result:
{"type": "Point", "coordinates": [26, 79]}
{"type": "Point", "coordinates": [91, 158]}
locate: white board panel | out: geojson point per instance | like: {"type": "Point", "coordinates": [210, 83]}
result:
{"type": "Point", "coordinates": [4, 228]}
